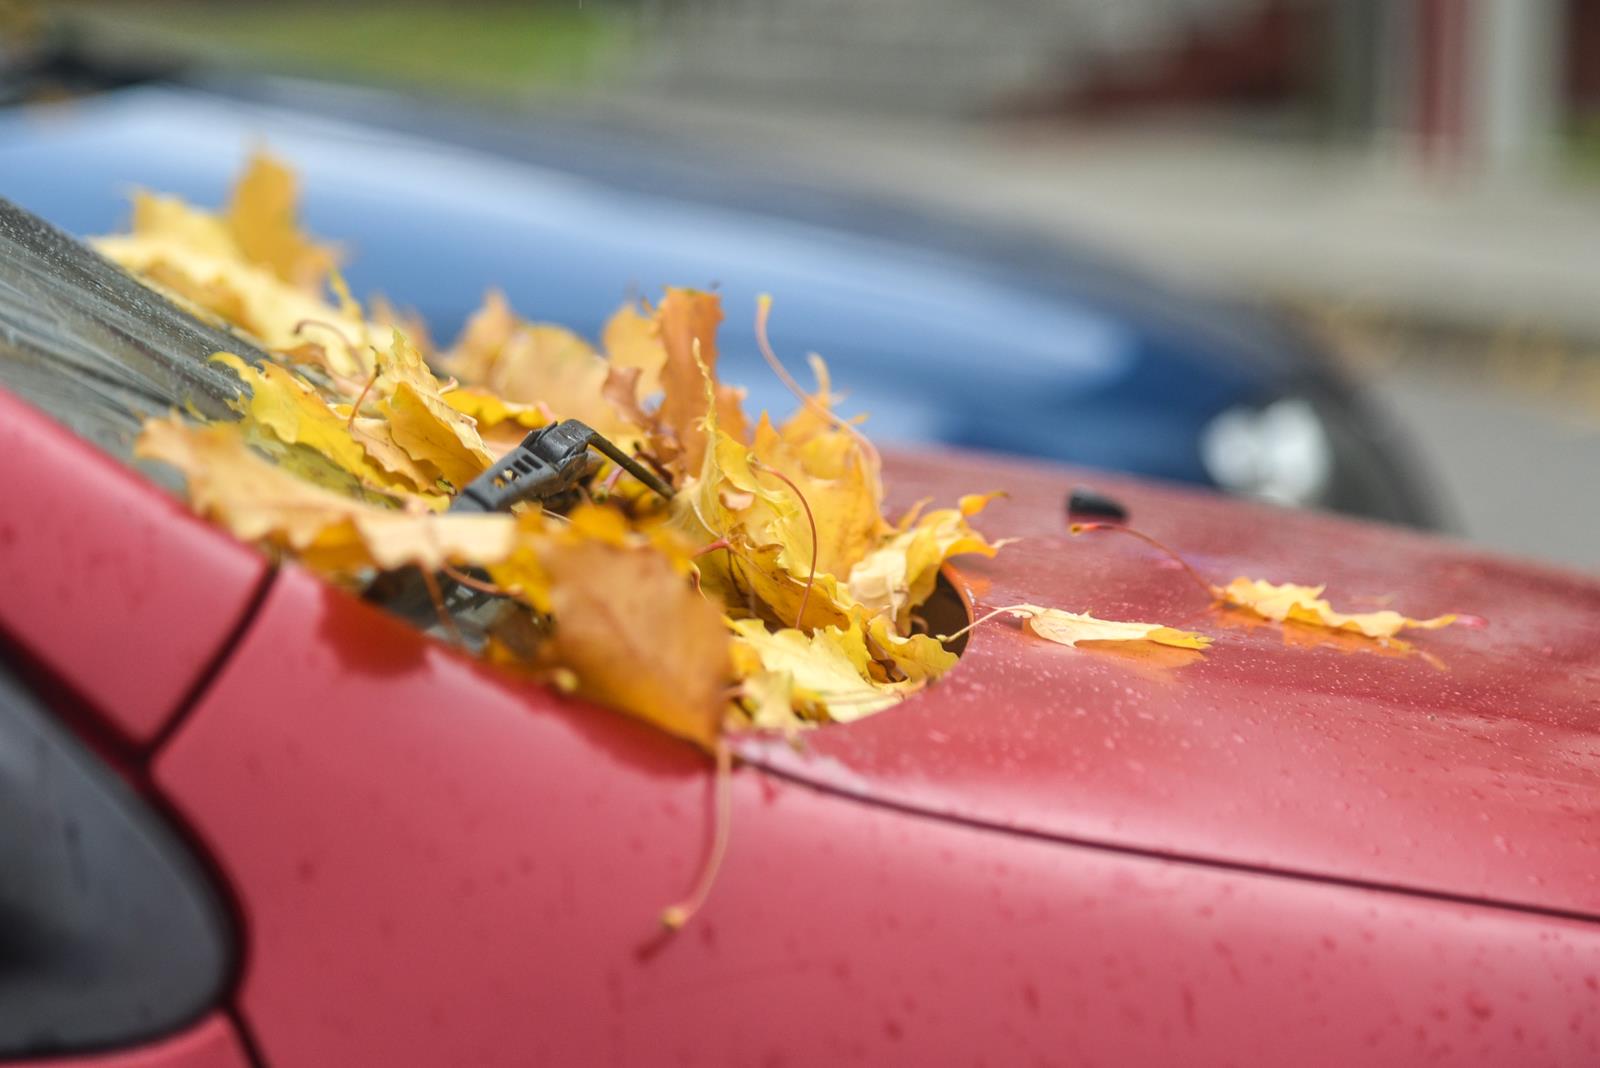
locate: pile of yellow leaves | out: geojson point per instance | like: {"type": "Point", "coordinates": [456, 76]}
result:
{"type": "Point", "coordinates": [770, 591]}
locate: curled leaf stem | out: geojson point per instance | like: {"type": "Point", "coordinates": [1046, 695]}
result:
{"type": "Point", "coordinates": [1085, 528]}
{"type": "Point", "coordinates": [675, 916]}
{"type": "Point", "coordinates": [355, 408]}
{"type": "Point", "coordinates": [812, 580]}
{"type": "Point", "coordinates": [720, 543]}
{"type": "Point", "coordinates": [763, 311]}
{"type": "Point", "coordinates": [981, 619]}
{"type": "Point", "coordinates": [434, 595]}
{"type": "Point", "coordinates": [299, 328]}
{"type": "Point", "coordinates": [457, 575]}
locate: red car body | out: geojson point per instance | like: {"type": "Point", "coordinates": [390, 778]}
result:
{"type": "Point", "coordinates": [1294, 848]}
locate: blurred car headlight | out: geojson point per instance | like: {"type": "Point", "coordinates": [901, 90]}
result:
{"type": "Point", "coordinates": [1282, 452]}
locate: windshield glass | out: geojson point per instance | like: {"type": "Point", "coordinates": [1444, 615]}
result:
{"type": "Point", "coordinates": [94, 348]}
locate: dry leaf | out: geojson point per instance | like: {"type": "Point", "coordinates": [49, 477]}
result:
{"type": "Point", "coordinates": [1070, 628]}
{"type": "Point", "coordinates": [638, 637]}
{"type": "Point", "coordinates": [501, 424]}
{"type": "Point", "coordinates": [823, 677]}
{"type": "Point", "coordinates": [632, 341]}
{"type": "Point", "coordinates": [262, 503]}
{"type": "Point", "coordinates": [286, 406]}
{"type": "Point", "coordinates": [377, 441]}
{"type": "Point", "coordinates": [1304, 604]}
{"type": "Point", "coordinates": [262, 218]}
{"type": "Point", "coordinates": [538, 365]}
{"type": "Point", "coordinates": [687, 321]}
{"type": "Point", "coordinates": [901, 572]}
{"type": "Point", "coordinates": [245, 295]}
{"type": "Point", "coordinates": [432, 432]}
{"type": "Point", "coordinates": [488, 409]}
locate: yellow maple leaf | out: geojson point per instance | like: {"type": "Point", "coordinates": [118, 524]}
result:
{"type": "Point", "coordinates": [260, 502]}
{"type": "Point", "coordinates": [767, 698]}
{"type": "Point", "coordinates": [901, 572]}
{"type": "Point", "coordinates": [502, 424]}
{"type": "Point", "coordinates": [764, 525]}
{"type": "Point", "coordinates": [833, 673]}
{"type": "Point", "coordinates": [245, 295]}
{"type": "Point", "coordinates": [484, 337]}
{"type": "Point", "coordinates": [432, 432]}
{"type": "Point", "coordinates": [1305, 604]}
{"type": "Point", "coordinates": [914, 658]}
{"type": "Point", "coordinates": [840, 492]}
{"type": "Point", "coordinates": [1070, 628]}
{"type": "Point", "coordinates": [632, 339]}
{"type": "Point", "coordinates": [377, 441]}
{"type": "Point", "coordinates": [763, 499]}
{"type": "Point", "coordinates": [155, 215]}
{"type": "Point", "coordinates": [637, 637]}
{"type": "Point", "coordinates": [538, 365]}
{"type": "Point", "coordinates": [687, 322]}
{"type": "Point", "coordinates": [262, 219]}
{"type": "Point", "coordinates": [406, 321]}
{"type": "Point", "coordinates": [288, 407]}
{"type": "Point", "coordinates": [824, 679]}
{"type": "Point", "coordinates": [488, 409]}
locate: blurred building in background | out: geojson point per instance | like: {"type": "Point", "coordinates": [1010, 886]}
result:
{"type": "Point", "coordinates": [1457, 82]}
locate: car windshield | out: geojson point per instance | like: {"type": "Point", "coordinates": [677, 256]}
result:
{"type": "Point", "coordinates": [95, 349]}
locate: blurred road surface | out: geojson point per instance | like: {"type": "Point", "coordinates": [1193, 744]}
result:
{"type": "Point", "coordinates": [1522, 472]}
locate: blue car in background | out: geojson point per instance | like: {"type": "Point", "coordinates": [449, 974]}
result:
{"type": "Point", "coordinates": [942, 332]}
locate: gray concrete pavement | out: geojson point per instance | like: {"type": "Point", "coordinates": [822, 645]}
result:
{"type": "Point", "coordinates": [1521, 471]}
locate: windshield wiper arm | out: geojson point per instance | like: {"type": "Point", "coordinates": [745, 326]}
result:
{"type": "Point", "coordinates": [547, 464]}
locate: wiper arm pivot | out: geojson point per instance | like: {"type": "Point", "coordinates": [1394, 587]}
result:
{"type": "Point", "coordinates": [549, 462]}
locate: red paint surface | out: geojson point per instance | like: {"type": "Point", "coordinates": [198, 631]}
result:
{"type": "Point", "coordinates": [211, 1043]}
{"type": "Point", "coordinates": [107, 580]}
{"type": "Point", "coordinates": [438, 865]}
{"type": "Point", "coordinates": [1474, 770]}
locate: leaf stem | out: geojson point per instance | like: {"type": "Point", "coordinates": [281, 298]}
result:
{"type": "Point", "coordinates": [812, 580]}
{"type": "Point", "coordinates": [355, 409]}
{"type": "Point", "coordinates": [467, 580]}
{"type": "Point", "coordinates": [674, 917]}
{"type": "Point", "coordinates": [720, 543]}
{"type": "Point", "coordinates": [763, 311]}
{"type": "Point", "coordinates": [434, 595]}
{"type": "Point", "coordinates": [941, 638]}
{"type": "Point", "coordinates": [1085, 528]}
{"type": "Point", "coordinates": [299, 328]}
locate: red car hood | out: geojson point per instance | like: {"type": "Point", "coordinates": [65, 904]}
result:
{"type": "Point", "coordinates": [1470, 768]}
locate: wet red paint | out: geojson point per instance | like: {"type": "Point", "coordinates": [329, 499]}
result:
{"type": "Point", "coordinates": [489, 862]}
{"type": "Point", "coordinates": [1470, 766]}
{"type": "Point", "coordinates": [108, 581]}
